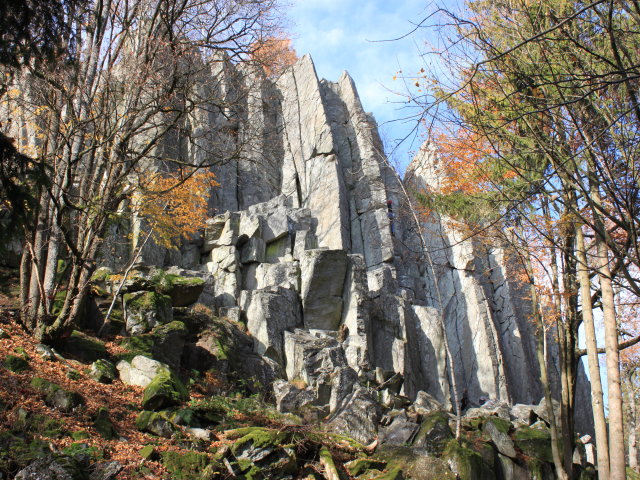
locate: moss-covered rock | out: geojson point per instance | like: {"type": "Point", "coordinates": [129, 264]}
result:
{"type": "Point", "coordinates": [466, 463]}
{"type": "Point", "coordinates": [184, 465]}
{"type": "Point", "coordinates": [15, 364]}
{"type": "Point", "coordinates": [19, 451]}
{"type": "Point", "coordinates": [361, 465]}
{"type": "Point", "coordinates": [149, 453]}
{"type": "Point", "coordinates": [157, 423]}
{"type": "Point", "coordinates": [59, 467]}
{"type": "Point", "coordinates": [434, 433]}
{"type": "Point", "coordinates": [57, 397]}
{"type": "Point", "coordinates": [165, 390]}
{"type": "Point", "coordinates": [103, 425]}
{"type": "Point", "coordinates": [256, 437]}
{"type": "Point", "coordinates": [84, 347]}
{"type": "Point", "coordinates": [534, 442]}
{"type": "Point", "coordinates": [103, 371]}
{"type": "Point", "coordinates": [168, 342]}
{"type": "Point", "coordinates": [144, 310]}
{"type": "Point", "coordinates": [413, 463]}
{"type": "Point", "coordinates": [183, 291]}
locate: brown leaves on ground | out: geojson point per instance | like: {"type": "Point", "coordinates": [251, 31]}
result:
{"type": "Point", "coordinates": [122, 401]}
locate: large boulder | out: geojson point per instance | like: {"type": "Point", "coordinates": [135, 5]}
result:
{"type": "Point", "coordinates": [183, 286]}
{"type": "Point", "coordinates": [434, 433]}
{"type": "Point", "coordinates": [57, 397]}
{"type": "Point", "coordinates": [358, 417]}
{"type": "Point", "coordinates": [498, 430]}
{"type": "Point", "coordinates": [144, 310]}
{"type": "Point", "coordinates": [52, 467]}
{"type": "Point", "coordinates": [269, 313]}
{"type": "Point", "coordinates": [221, 230]}
{"type": "Point", "coordinates": [140, 371]}
{"type": "Point", "coordinates": [168, 343]}
{"type": "Point", "coordinates": [165, 390]}
{"type": "Point", "coordinates": [322, 283]}
{"type": "Point", "coordinates": [290, 398]}
{"type": "Point", "coordinates": [319, 361]}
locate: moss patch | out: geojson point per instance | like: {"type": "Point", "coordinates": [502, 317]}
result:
{"type": "Point", "coordinates": [184, 465]}
{"type": "Point", "coordinates": [15, 364]}
{"type": "Point", "coordinates": [55, 396]}
{"type": "Point", "coordinates": [85, 348]}
{"type": "Point", "coordinates": [466, 463]}
{"type": "Point", "coordinates": [165, 390]}
{"type": "Point", "coordinates": [534, 443]}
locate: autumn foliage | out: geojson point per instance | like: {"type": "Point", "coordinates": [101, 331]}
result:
{"type": "Point", "coordinates": [175, 204]}
{"type": "Point", "coordinates": [275, 55]}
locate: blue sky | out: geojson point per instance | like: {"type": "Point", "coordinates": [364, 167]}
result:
{"type": "Point", "coordinates": [344, 35]}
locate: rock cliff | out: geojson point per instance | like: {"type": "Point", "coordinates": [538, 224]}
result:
{"type": "Point", "coordinates": [315, 247]}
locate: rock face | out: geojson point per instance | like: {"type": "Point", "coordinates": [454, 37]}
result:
{"type": "Point", "coordinates": [314, 245]}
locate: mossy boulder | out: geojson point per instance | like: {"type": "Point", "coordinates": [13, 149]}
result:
{"type": "Point", "coordinates": [361, 465]}
{"type": "Point", "coordinates": [145, 310]}
{"type": "Point", "coordinates": [103, 371]}
{"type": "Point", "coordinates": [165, 390]}
{"type": "Point", "coordinates": [168, 342]}
{"type": "Point", "coordinates": [413, 463]}
{"type": "Point", "coordinates": [19, 451]}
{"type": "Point", "coordinates": [184, 465]}
{"type": "Point", "coordinates": [262, 452]}
{"type": "Point", "coordinates": [466, 463]}
{"type": "Point", "coordinates": [534, 442]}
{"type": "Point", "coordinates": [434, 433]}
{"type": "Point", "coordinates": [84, 347]}
{"type": "Point", "coordinates": [157, 423]}
{"type": "Point", "coordinates": [497, 429]}
{"type": "Point", "coordinates": [56, 396]}
{"type": "Point", "coordinates": [184, 291]}
{"type": "Point", "coordinates": [103, 424]}
{"type": "Point", "coordinates": [15, 364]}
{"type": "Point", "coordinates": [59, 467]}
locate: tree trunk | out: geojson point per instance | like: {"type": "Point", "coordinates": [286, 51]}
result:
{"type": "Point", "coordinates": [633, 415]}
{"type": "Point", "coordinates": [556, 449]}
{"type": "Point", "coordinates": [597, 402]}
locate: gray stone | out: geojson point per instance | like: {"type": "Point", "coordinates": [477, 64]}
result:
{"type": "Point", "coordinates": [523, 414]}
{"type": "Point", "coordinates": [490, 408]}
{"type": "Point", "coordinates": [277, 249]}
{"type": "Point", "coordinates": [103, 371]}
{"type": "Point", "coordinates": [320, 362]}
{"type": "Point", "coordinates": [269, 313]}
{"type": "Point", "coordinates": [141, 371]}
{"type": "Point", "coordinates": [145, 310]}
{"type": "Point", "coordinates": [221, 231]}
{"type": "Point", "coordinates": [289, 398]}
{"type": "Point", "coordinates": [322, 283]}
{"type": "Point", "coordinates": [275, 225]}
{"type": "Point", "coordinates": [51, 467]}
{"type": "Point", "coordinates": [501, 439]}
{"type": "Point", "coordinates": [253, 251]}
{"type": "Point", "coordinates": [45, 352]}
{"type": "Point", "coordinates": [400, 431]}
{"type": "Point", "coordinates": [512, 470]}
{"type": "Point", "coordinates": [425, 403]}
{"type": "Point", "coordinates": [359, 416]}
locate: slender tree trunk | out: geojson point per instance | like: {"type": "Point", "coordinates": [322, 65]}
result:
{"type": "Point", "coordinates": [556, 449]}
{"type": "Point", "coordinates": [616, 420]}
{"type": "Point", "coordinates": [632, 423]}
{"type": "Point", "coordinates": [597, 403]}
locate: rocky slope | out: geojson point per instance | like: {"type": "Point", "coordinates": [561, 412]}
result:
{"type": "Point", "coordinates": [318, 236]}
{"type": "Point", "coordinates": [316, 286]}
